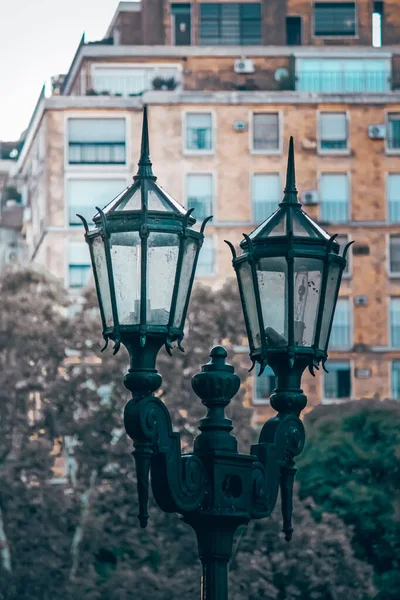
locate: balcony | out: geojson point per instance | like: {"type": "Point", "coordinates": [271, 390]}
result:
{"type": "Point", "coordinates": [132, 81]}
{"type": "Point", "coordinates": [336, 82]}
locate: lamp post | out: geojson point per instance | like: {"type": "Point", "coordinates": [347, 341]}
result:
{"type": "Point", "coordinates": [144, 252]}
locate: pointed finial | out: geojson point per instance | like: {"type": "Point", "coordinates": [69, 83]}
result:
{"type": "Point", "coordinates": [290, 196]}
{"type": "Point", "coordinates": [144, 163]}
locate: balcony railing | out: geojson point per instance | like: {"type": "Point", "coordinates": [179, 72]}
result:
{"type": "Point", "coordinates": [135, 83]}
{"type": "Point", "coordinates": [343, 82]}
{"type": "Point", "coordinates": [334, 212]}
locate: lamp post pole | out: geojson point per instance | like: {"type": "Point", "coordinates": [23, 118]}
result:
{"type": "Point", "coordinates": [144, 253]}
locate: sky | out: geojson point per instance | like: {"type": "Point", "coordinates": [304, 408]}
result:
{"type": "Point", "coordinates": [38, 40]}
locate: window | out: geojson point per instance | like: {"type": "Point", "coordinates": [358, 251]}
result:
{"type": "Point", "coordinates": [266, 132]}
{"type": "Point", "coordinates": [83, 195]}
{"type": "Point", "coordinates": [337, 383]}
{"type": "Point", "coordinates": [394, 254]}
{"type": "Point", "coordinates": [181, 24]}
{"type": "Point", "coordinates": [343, 240]}
{"type": "Point", "coordinates": [293, 31]}
{"type": "Point", "coordinates": [344, 75]}
{"type": "Point", "coordinates": [199, 137]}
{"type": "Point", "coordinates": [266, 195]}
{"type": "Point", "coordinates": [199, 194]}
{"type": "Point", "coordinates": [334, 205]}
{"type": "Point", "coordinates": [377, 17]}
{"type": "Point", "coordinates": [395, 322]}
{"type": "Point", "coordinates": [396, 380]}
{"type": "Point", "coordinates": [263, 386]}
{"type": "Point", "coordinates": [132, 81]}
{"type": "Point", "coordinates": [206, 262]}
{"type": "Point", "coordinates": [393, 135]}
{"type": "Point", "coordinates": [79, 266]}
{"type": "Point", "coordinates": [335, 19]}
{"type": "Point", "coordinates": [96, 141]}
{"type": "Point", "coordinates": [332, 132]}
{"type": "Point", "coordinates": [393, 195]}
{"type": "Point", "coordinates": [230, 24]}
{"type": "Point", "coordinates": [340, 333]}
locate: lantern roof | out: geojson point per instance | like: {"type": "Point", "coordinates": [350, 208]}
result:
{"type": "Point", "coordinates": [289, 218]}
{"type": "Point", "coordinates": [144, 194]}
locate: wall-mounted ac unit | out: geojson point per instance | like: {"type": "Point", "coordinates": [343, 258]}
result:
{"type": "Point", "coordinates": [376, 132]}
{"type": "Point", "coordinates": [244, 65]}
{"type": "Point", "coordinates": [239, 126]}
{"type": "Point", "coordinates": [360, 300]}
{"type": "Point", "coordinates": [309, 197]}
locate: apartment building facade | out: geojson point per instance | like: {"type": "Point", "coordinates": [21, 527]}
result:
{"type": "Point", "coordinates": [226, 84]}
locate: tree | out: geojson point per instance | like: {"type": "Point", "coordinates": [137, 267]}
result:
{"type": "Point", "coordinates": [351, 467]}
{"type": "Point", "coordinates": [82, 539]}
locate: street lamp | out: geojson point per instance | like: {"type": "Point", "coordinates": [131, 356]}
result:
{"type": "Point", "coordinates": [144, 252]}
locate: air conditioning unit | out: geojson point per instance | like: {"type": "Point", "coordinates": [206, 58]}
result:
{"type": "Point", "coordinates": [244, 65]}
{"type": "Point", "coordinates": [377, 132]}
{"type": "Point", "coordinates": [309, 197]}
{"type": "Point", "coordinates": [360, 300]}
{"type": "Point", "coordinates": [240, 125]}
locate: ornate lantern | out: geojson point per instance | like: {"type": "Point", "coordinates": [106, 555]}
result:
{"type": "Point", "coordinates": [144, 254]}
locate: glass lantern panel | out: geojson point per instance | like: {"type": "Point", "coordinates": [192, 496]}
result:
{"type": "Point", "coordinates": [330, 301]}
{"type": "Point", "coordinates": [301, 227]}
{"type": "Point", "coordinates": [156, 202]}
{"type": "Point", "coordinates": [162, 260]}
{"type": "Point", "coordinates": [279, 227]}
{"type": "Point", "coordinates": [126, 259]}
{"type": "Point", "coordinates": [131, 203]}
{"type": "Point", "coordinates": [246, 279]}
{"type": "Point", "coordinates": [307, 292]}
{"type": "Point", "coordinates": [100, 267]}
{"type": "Point", "coordinates": [189, 255]}
{"type": "Point", "coordinates": [272, 285]}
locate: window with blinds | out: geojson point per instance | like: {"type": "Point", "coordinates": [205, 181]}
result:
{"type": "Point", "coordinates": [395, 322]}
{"type": "Point", "coordinates": [393, 135]}
{"type": "Point", "coordinates": [266, 135]}
{"type": "Point", "coordinates": [79, 265]}
{"type": "Point", "coordinates": [206, 261]}
{"type": "Point", "coordinates": [96, 141]}
{"type": "Point", "coordinates": [396, 380]}
{"type": "Point", "coordinates": [333, 132]}
{"type": "Point", "coordinates": [83, 195]}
{"type": "Point", "coordinates": [394, 254]}
{"type": "Point", "coordinates": [335, 19]}
{"type": "Point", "coordinates": [334, 197]}
{"type": "Point", "coordinates": [265, 195]}
{"type": "Point", "coordinates": [230, 24]}
{"type": "Point", "coordinates": [337, 382]}
{"type": "Point", "coordinates": [199, 135]}
{"type": "Point", "coordinates": [340, 333]}
{"type": "Point", "coordinates": [199, 193]}
{"type": "Point", "coordinates": [393, 197]}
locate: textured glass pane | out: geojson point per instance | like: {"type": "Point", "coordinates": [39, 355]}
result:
{"type": "Point", "coordinates": [125, 258]}
{"type": "Point", "coordinates": [330, 297]}
{"type": "Point", "coordinates": [272, 277]}
{"type": "Point", "coordinates": [184, 282]}
{"type": "Point", "coordinates": [307, 290]}
{"type": "Point", "coordinates": [100, 266]}
{"type": "Point", "coordinates": [250, 304]}
{"type": "Point", "coordinates": [131, 203]}
{"type": "Point", "coordinates": [301, 226]}
{"type": "Point", "coordinates": [156, 202]}
{"type": "Point", "coordinates": [162, 258]}
{"type": "Point", "coordinates": [279, 228]}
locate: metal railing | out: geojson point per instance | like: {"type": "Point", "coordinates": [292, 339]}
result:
{"type": "Point", "coordinates": [134, 84]}
{"type": "Point", "coordinates": [343, 82]}
{"type": "Point", "coordinates": [334, 212]}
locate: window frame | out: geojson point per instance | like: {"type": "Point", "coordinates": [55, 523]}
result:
{"type": "Point", "coordinates": [349, 199]}
{"type": "Point", "coordinates": [335, 151]}
{"type": "Point", "coordinates": [188, 152]}
{"type": "Point", "coordinates": [255, 400]}
{"type": "Point", "coordinates": [391, 274]}
{"type": "Point", "coordinates": [351, 327]}
{"type": "Point", "coordinates": [252, 175]}
{"type": "Point", "coordinates": [324, 399]}
{"type": "Point", "coordinates": [213, 176]}
{"type": "Point", "coordinates": [213, 274]}
{"type": "Point", "coordinates": [387, 177]}
{"type": "Point", "coordinates": [335, 37]}
{"type": "Point", "coordinates": [275, 152]}
{"type": "Point", "coordinates": [388, 150]}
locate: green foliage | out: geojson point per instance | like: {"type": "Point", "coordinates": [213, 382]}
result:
{"type": "Point", "coordinates": [351, 467]}
{"type": "Point", "coordinates": [80, 540]}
